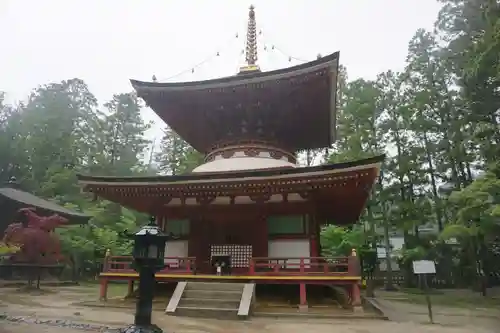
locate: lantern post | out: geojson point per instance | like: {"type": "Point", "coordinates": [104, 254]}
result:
{"type": "Point", "coordinates": [148, 253]}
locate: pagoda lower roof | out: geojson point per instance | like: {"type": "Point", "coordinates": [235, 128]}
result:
{"type": "Point", "coordinates": [237, 176]}
{"type": "Point", "coordinates": [339, 191]}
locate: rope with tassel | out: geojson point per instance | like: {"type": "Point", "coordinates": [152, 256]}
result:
{"type": "Point", "coordinates": [267, 46]}
{"type": "Point", "coordinates": [207, 59]}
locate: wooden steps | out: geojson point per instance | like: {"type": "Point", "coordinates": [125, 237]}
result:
{"type": "Point", "coordinates": [224, 300]}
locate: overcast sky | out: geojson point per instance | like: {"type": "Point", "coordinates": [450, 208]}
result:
{"type": "Point", "coordinates": [106, 42]}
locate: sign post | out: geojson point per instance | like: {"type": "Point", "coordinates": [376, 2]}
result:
{"type": "Point", "coordinates": [422, 268]}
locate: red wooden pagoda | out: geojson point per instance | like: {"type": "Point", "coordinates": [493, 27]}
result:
{"type": "Point", "coordinates": [249, 207]}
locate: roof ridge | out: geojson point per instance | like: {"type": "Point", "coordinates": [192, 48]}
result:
{"type": "Point", "coordinates": [326, 61]}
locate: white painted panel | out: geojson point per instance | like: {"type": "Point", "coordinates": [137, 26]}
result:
{"type": "Point", "coordinates": [177, 248]}
{"type": "Point", "coordinates": [290, 248]}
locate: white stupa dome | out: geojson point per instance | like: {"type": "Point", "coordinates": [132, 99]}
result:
{"type": "Point", "coordinates": [243, 163]}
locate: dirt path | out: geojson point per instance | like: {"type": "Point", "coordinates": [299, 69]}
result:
{"type": "Point", "coordinates": [59, 304]}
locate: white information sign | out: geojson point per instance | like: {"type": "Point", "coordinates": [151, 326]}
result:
{"type": "Point", "coordinates": [424, 267]}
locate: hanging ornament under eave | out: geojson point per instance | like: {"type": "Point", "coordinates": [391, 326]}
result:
{"type": "Point", "coordinates": [265, 48]}
{"type": "Point", "coordinates": [272, 47]}
{"type": "Point", "coordinates": [192, 70]}
{"type": "Point", "coordinates": [237, 35]}
{"type": "Point", "coordinates": [218, 54]}
{"type": "Point", "coordinates": [154, 78]}
{"type": "Point", "coordinates": [289, 59]}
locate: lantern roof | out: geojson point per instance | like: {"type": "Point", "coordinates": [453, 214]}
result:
{"type": "Point", "coordinates": [148, 230]}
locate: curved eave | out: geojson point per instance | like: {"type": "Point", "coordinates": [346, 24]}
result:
{"type": "Point", "coordinates": [369, 163]}
{"type": "Point", "coordinates": [330, 61]}
{"type": "Point", "coordinates": [25, 199]}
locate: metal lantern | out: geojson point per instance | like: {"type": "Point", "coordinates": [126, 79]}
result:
{"type": "Point", "coordinates": [148, 253]}
{"type": "Point", "coordinates": [149, 246]}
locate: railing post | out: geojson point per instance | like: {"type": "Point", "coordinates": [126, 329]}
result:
{"type": "Point", "coordinates": [188, 265]}
{"type": "Point", "coordinates": [251, 267]}
{"type": "Point", "coordinates": [301, 265]}
{"type": "Point", "coordinates": [326, 268]}
{"type": "Point", "coordinates": [353, 265]}
{"type": "Point", "coordinates": [107, 258]}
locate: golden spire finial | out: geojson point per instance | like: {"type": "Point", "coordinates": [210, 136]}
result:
{"type": "Point", "coordinates": [251, 43]}
{"type": "Point", "coordinates": [251, 50]}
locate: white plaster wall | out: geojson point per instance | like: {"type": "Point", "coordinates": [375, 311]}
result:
{"type": "Point", "coordinates": [177, 248]}
{"type": "Point", "coordinates": [242, 162]}
{"type": "Point", "coordinates": [290, 248]}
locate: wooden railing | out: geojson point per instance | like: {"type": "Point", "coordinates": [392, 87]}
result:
{"type": "Point", "coordinates": [335, 266]}
{"type": "Point", "coordinates": [303, 266]}
{"type": "Point", "coordinates": [123, 264]}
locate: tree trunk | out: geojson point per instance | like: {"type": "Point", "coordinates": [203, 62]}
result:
{"type": "Point", "coordinates": [388, 258]}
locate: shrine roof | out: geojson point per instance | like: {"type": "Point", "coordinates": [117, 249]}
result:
{"type": "Point", "coordinates": [246, 175]}
{"type": "Point", "coordinates": [24, 199]}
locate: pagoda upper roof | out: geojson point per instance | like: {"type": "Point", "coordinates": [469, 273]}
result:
{"type": "Point", "coordinates": [294, 107]}
{"type": "Point", "coordinates": [256, 76]}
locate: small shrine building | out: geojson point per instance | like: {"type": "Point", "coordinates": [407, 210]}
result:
{"type": "Point", "coordinates": [249, 207]}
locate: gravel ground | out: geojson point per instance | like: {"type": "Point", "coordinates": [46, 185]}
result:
{"type": "Point", "coordinates": [55, 311]}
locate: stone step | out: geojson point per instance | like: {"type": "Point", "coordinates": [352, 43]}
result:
{"type": "Point", "coordinates": [213, 294]}
{"type": "Point", "coordinates": [210, 302]}
{"type": "Point", "coordinates": [206, 312]}
{"type": "Point", "coordinates": [222, 286]}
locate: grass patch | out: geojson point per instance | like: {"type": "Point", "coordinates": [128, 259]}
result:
{"type": "Point", "coordinates": [114, 289]}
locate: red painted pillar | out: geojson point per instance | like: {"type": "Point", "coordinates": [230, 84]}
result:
{"type": "Point", "coordinates": [317, 226]}
{"type": "Point", "coordinates": [130, 288]}
{"type": "Point", "coordinates": [356, 297]}
{"type": "Point", "coordinates": [354, 270]}
{"type": "Point", "coordinates": [103, 290]}
{"type": "Point", "coordinates": [258, 230]}
{"type": "Point", "coordinates": [313, 236]}
{"type": "Point", "coordinates": [303, 297]}
{"type": "Point", "coordinates": [192, 243]}
{"type": "Point", "coordinates": [197, 244]}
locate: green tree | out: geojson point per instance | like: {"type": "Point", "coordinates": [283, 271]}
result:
{"type": "Point", "coordinates": [121, 138]}
{"type": "Point", "coordinates": [338, 241]}
{"type": "Point", "coordinates": [176, 156]}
